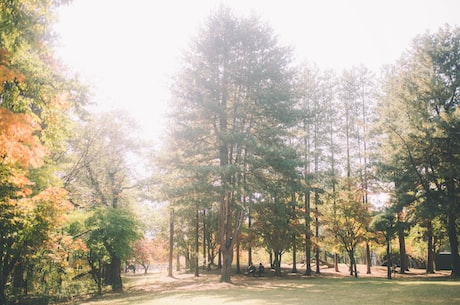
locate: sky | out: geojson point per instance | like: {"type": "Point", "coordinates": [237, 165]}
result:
{"type": "Point", "coordinates": [128, 51]}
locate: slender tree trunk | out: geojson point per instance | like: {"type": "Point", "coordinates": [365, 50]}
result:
{"type": "Point", "coordinates": [204, 239]}
{"type": "Point", "coordinates": [219, 259]}
{"type": "Point", "coordinates": [368, 258]}
{"type": "Point", "coordinates": [249, 227]}
{"type": "Point", "coordinates": [294, 256]}
{"type": "Point", "coordinates": [307, 235]}
{"type": "Point", "coordinates": [430, 259]}
{"type": "Point", "coordinates": [197, 243]}
{"type": "Point", "coordinates": [238, 267]}
{"type": "Point", "coordinates": [317, 237]}
{"type": "Point", "coordinates": [402, 249]}
{"type": "Point", "coordinates": [452, 213]}
{"type": "Point", "coordinates": [389, 261]}
{"type": "Point", "coordinates": [294, 242]}
{"type": "Point", "coordinates": [171, 242]}
{"type": "Point", "coordinates": [353, 268]}
{"type": "Point", "coordinates": [336, 262]}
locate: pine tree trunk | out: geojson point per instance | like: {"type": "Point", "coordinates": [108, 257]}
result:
{"type": "Point", "coordinates": [197, 243]}
{"type": "Point", "coordinates": [227, 255]}
{"type": "Point", "coordinates": [452, 212]}
{"type": "Point", "coordinates": [402, 250]}
{"type": "Point", "coordinates": [307, 235]}
{"type": "Point", "coordinates": [171, 243]}
{"type": "Point", "coordinates": [389, 261]}
{"type": "Point", "coordinates": [430, 259]}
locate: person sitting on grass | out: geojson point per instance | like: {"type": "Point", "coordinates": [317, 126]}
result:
{"type": "Point", "coordinates": [261, 270]}
{"type": "Point", "coordinates": [251, 269]}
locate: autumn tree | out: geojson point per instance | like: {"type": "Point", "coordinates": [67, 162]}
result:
{"type": "Point", "coordinates": [35, 102]}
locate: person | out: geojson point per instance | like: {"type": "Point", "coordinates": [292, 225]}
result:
{"type": "Point", "coordinates": [251, 269]}
{"type": "Point", "coordinates": [261, 269]}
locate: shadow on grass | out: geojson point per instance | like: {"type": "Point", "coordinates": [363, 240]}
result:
{"type": "Point", "coordinates": [270, 291]}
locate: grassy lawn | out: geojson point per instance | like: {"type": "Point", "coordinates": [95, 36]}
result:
{"type": "Point", "coordinates": [150, 290]}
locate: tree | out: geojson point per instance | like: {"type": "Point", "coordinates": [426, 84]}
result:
{"type": "Point", "coordinates": [349, 220]}
{"type": "Point", "coordinates": [420, 118]}
{"type": "Point", "coordinates": [386, 223]}
{"type": "Point", "coordinates": [232, 110]}
{"type": "Point", "coordinates": [35, 102]}
{"type": "Point", "coordinates": [273, 224]}
{"type": "Point", "coordinates": [100, 173]}
{"type": "Point", "coordinates": [110, 241]}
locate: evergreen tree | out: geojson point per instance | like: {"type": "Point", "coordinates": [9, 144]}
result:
{"type": "Point", "coordinates": [232, 112]}
{"type": "Point", "coordinates": [420, 117]}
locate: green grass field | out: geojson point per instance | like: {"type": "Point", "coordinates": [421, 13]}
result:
{"type": "Point", "coordinates": [150, 290]}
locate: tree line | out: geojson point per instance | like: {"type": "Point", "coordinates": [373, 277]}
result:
{"type": "Point", "coordinates": [261, 153]}
{"type": "Point", "coordinates": [288, 157]}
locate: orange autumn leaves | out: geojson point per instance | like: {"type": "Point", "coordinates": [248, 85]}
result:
{"type": "Point", "coordinates": [19, 148]}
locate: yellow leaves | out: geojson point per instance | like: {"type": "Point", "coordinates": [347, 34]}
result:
{"type": "Point", "coordinates": [7, 74]}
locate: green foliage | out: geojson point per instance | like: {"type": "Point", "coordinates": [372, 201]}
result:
{"type": "Point", "coordinates": [113, 231]}
{"type": "Point", "coordinates": [419, 117]}
{"type": "Point", "coordinates": [385, 223]}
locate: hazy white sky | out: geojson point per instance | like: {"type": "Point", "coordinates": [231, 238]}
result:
{"type": "Point", "coordinates": [127, 50]}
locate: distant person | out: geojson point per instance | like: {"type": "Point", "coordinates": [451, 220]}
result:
{"type": "Point", "coordinates": [251, 269]}
{"type": "Point", "coordinates": [261, 270]}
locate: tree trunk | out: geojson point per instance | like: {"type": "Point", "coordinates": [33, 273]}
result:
{"type": "Point", "coordinates": [389, 261]}
{"type": "Point", "coordinates": [307, 235]}
{"type": "Point", "coordinates": [197, 243]}
{"type": "Point", "coordinates": [114, 274]}
{"type": "Point", "coordinates": [219, 259]}
{"type": "Point", "coordinates": [402, 250]}
{"type": "Point", "coordinates": [336, 262]}
{"type": "Point", "coordinates": [368, 258]}
{"type": "Point", "coordinates": [430, 259]}
{"type": "Point", "coordinates": [227, 255]}
{"type": "Point", "coordinates": [353, 268]}
{"type": "Point", "coordinates": [294, 241]}
{"type": "Point", "coordinates": [277, 263]}
{"type": "Point", "coordinates": [452, 212]}
{"type": "Point", "coordinates": [204, 239]}
{"type": "Point", "coordinates": [171, 242]}
{"type": "Point", "coordinates": [317, 234]}
{"type": "Point", "coordinates": [238, 267]}
{"type": "Point", "coordinates": [294, 256]}
{"type": "Point", "coordinates": [96, 274]}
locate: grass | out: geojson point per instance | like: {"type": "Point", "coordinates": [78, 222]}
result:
{"type": "Point", "coordinates": [153, 289]}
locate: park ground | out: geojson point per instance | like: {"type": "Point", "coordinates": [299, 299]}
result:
{"type": "Point", "coordinates": [329, 287]}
